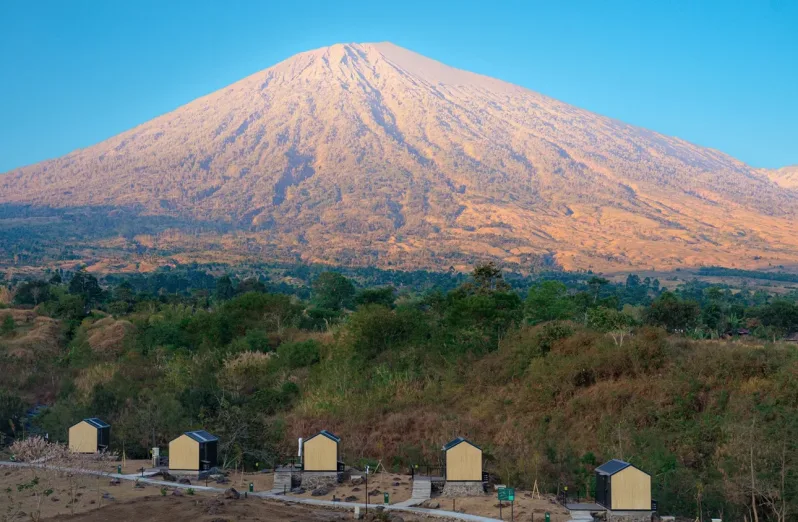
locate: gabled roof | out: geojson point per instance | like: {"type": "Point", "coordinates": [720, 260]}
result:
{"type": "Point", "coordinates": [613, 466]}
{"type": "Point", "coordinates": [457, 441]}
{"type": "Point", "coordinates": [201, 436]}
{"type": "Point", "coordinates": [326, 434]}
{"type": "Point", "coordinates": [96, 423]}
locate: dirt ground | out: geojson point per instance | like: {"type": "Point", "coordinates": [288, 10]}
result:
{"type": "Point", "coordinates": [88, 491]}
{"type": "Point", "coordinates": [204, 509]}
{"type": "Point", "coordinates": [97, 499]}
{"type": "Point", "coordinates": [524, 510]}
{"type": "Point", "coordinates": [381, 482]}
{"type": "Point", "coordinates": [487, 505]}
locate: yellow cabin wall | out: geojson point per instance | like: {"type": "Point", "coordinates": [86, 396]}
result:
{"type": "Point", "coordinates": [83, 438]}
{"type": "Point", "coordinates": [320, 453]}
{"type": "Point", "coordinates": [184, 453]}
{"type": "Point", "coordinates": [464, 462]}
{"type": "Point", "coordinates": [631, 489]}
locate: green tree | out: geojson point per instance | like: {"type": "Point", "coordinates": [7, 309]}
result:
{"type": "Point", "coordinates": [124, 292]}
{"type": "Point", "coordinates": [385, 296]}
{"type": "Point", "coordinates": [672, 313]}
{"type": "Point", "coordinates": [86, 285]}
{"type": "Point", "coordinates": [595, 284]}
{"type": "Point", "coordinates": [333, 291]}
{"type": "Point", "coordinates": [224, 288]}
{"type": "Point", "coordinates": [250, 284]}
{"type": "Point", "coordinates": [32, 293]}
{"type": "Point", "coordinates": [374, 329]}
{"type": "Point", "coordinates": [548, 301]}
{"type": "Point", "coordinates": [488, 278]}
{"type": "Point", "coordinates": [610, 321]}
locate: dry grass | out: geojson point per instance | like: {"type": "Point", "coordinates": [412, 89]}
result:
{"type": "Point", "coordinates": [90, 377]}
{"type": "Point", "coordinates": [107, 335]}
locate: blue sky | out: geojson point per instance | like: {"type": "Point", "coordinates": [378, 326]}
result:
{"type": "Point", "coordinates": [723, 74]}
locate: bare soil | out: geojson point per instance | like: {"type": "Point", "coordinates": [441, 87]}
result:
{"type": "Point", "coordinates": [382, 482]}
{"type": "Point", "coordinates": [203, 509]}
{"type": "Point", "coordinates": [89, 492]}
{"type": "Point", "coordinates": [487, 505]}
{"type": "Point", "coordinates": [525, 507]}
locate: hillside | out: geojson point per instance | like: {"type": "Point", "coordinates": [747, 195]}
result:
{"type": "Point", "coordinates": [786, 177]}
{"type": "Point", "coordinates": [373, 154]}
{"type": "Point", "coordinates": [549, 386]}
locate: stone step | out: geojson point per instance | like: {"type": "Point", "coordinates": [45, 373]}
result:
{"type": "Point", "coordinates": [422, 489]}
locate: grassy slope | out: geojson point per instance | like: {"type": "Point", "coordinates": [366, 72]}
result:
{"type": "Point", "coordinates": [542, 407]}
{"type": "Point", "coordinates": [670, 406]}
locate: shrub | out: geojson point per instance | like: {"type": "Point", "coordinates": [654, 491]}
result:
{"type": "Point", "coordinates": [299, 354]}
{"type": "Point", "coordinates": [8, 325]}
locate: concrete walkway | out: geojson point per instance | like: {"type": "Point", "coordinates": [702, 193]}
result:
{"type": "Point", "coordinates": [265, 495]}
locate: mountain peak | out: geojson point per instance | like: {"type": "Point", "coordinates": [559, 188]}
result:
{"type": "Point", "coordinates": [369, 153]}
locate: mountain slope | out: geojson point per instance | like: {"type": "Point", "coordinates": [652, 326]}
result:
{"type": "Point", "coordinates": [786, 177]}
{"type": "Point", "coordinates": [372, 153]}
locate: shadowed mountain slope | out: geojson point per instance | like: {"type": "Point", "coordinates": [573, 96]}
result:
{"type": "Point", "coordinates": [376, 152]}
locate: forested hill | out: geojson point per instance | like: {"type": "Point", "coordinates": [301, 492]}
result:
{"type": "Point", "coordinates": [694, 386]}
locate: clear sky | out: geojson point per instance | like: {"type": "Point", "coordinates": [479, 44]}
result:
{"type": "Point", "coordinates": [720, 73]}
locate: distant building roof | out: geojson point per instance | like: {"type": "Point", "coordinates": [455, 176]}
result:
{"type": "Point", "coordinates": [202, 436]}
{"type": "Point", "coordinates": [325, 433]}
{"type": "Point", "coordinates": [97, 423]}
{"type": "Point", "coordinates": [612, 467]}
{"type": "Point", "coordinates": [793, 337]}
{"type": "Point", "coordinates": [457, 441]}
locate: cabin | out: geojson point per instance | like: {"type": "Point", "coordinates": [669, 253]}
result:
{"type": "Point", "coordinates": [463, 461]}
{"type": "Point", "coordinates": [89, 436]}
{"type": "Point", "coordinates": [621, 486]}
{"type": "Point", "coordinates": [792, 338]}
{"type": "Point", "coordinates": [193, 451]}
{"type": "Point", "coordinates": [322, 452]}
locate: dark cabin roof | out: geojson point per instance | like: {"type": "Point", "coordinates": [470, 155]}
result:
{"type": "Point", "coordinates": [202, 436]}
{"type": "Point", "coordinates": [457, 441]}
{"type": "Point", "coordinates": [612, 467]}
{"type": "Point", "coordinates": [326, 434]}
{"type": "Point", "coordinates": [96, 423]}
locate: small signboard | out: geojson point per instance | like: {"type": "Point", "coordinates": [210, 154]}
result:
{"type": "Point", "coordinates": [507, 495]}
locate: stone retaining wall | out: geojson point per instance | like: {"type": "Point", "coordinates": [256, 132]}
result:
{"type": "Point", "coordinates": [315, 479]}
{"type": "Point", "coordinates": [628, 516]}
{"type": "Point", "coordinates": [462, 489]}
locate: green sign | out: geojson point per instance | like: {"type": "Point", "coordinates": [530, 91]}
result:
{"type": "Point", "coordinates": [507, 494]}
{"type": "Point", "coordinates": [548, 517]}
{"type": "Point", "coordinates": [386, 498]}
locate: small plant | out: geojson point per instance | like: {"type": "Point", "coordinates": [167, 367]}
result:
{"type": "Point", "coordinates": [8, 325]}
{"type": "Point", "coordinates": [190, 491]}
{"type": "Point", "coordinates": [163, 492]}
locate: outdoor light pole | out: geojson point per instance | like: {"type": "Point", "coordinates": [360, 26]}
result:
{"type": "Point", "coordinates": [367, 490]}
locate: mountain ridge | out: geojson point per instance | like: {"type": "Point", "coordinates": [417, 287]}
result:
{"type": "Point", "coordinates": [786, 177]}
{"type": "Point", "coordinates": [374, 151]}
